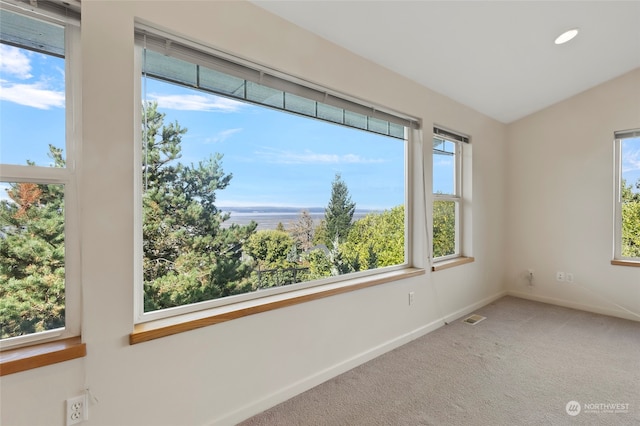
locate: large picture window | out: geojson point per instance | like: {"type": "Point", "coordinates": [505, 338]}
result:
{"type": "Point", "coordinates": [39, 268]}
{"type": "Point", "coordinates": [253, 183]}
{"type": "Point", "coordinates": [627, 202]}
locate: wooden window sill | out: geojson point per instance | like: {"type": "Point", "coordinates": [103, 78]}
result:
{"type": "Point", "coordinates": [445, 264]}
{"type": "Point", "coordinates": [180, 323]}
{"type": "Point", "coordinates": [635, 263]}
{"type": "Point", "coordinates": [39, 355]}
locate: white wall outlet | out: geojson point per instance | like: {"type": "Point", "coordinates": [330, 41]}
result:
{"type": "Point", "coordinates": [77, 410]}
{"type": "Point", "coordinates": [568, 277]}
{"type": "Point", "coordinates": [560, 276]}
{"type": "Point", "coordinates": [411, 297]}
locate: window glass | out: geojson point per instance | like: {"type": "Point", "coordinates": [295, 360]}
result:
{"type": "Point", "coordinates": [32, 98]}
{"type": "Point", "coordinates": [32, 206]}
{"type": "Point", "coordinates": [444, 228]}
{"type": "Point", "coordinates": [239, 198]}
{"type": "Point", "coordinates": [630, 197]}
{"type": "Point", "coordinates": [447, 196]}
{"type": "Point", "coordinates": [32, 269]}
{"type": "Point", "coordinates": [444, 166]}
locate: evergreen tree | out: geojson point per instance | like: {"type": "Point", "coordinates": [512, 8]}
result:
{"type": "Point", "coordinates": [32, 249]}
{"type": "Point", "coordinates": [339, 213]}
{"type": "Point", "coordinates": [188, 256]}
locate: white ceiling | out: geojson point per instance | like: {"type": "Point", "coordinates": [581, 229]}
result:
{"type": "Point", "coordinates": [497, 57]}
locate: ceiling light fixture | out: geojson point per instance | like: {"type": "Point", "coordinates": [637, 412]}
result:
{"type": "Point", "coordinates": [566, 36]}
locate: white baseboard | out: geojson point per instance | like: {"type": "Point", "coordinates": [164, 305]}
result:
{"type": "Point", "coordinates": [573, 305]}
{"type": "Point", "coordinates": [322, 376]}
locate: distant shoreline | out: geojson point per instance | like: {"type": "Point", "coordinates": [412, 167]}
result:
{"type": "Point", "coordinates": [270, 217]}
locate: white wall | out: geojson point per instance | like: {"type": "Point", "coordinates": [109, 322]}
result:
{"type": "Point", "coordinates": [560, 200]}
{"type": "Point", "coordinates": [224, 373]}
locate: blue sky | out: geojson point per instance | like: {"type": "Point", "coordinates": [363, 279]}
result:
{"type": "Point", "coordinates": [276, 158]}
{"type": "Point", "coordinates": [281, 159]}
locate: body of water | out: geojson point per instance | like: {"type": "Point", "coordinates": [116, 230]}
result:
{"type": "Point", "coordinates": [268, 218]}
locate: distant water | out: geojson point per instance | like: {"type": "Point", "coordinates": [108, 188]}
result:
{"type": "Point", "coordinates": [269, 218]}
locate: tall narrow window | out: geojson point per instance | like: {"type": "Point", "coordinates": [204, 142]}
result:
{"type": "Point", "coordinates": [38, 245]}
{"type": "Point", "coordinates": [447, 194]}
{"type": "Point", "coordinates": [252, 183]}
{"type": "Point", "coordinates": [627, 203]}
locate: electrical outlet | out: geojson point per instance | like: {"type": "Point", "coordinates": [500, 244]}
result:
{"type": "Point", "coordinates": [559, 276]}
{"type": "Point", "coordinates": [568, 277]}
{"type": "Point", "coordinates": [411, 297]}
{"type": "Point", "coordinates": [77, 410]}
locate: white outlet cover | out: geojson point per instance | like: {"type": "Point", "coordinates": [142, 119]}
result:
{"type": "Point", "coordinates": [76, 410]}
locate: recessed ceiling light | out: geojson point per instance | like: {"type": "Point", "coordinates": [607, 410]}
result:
{"type": "Point", "coordinates": [566, 36]}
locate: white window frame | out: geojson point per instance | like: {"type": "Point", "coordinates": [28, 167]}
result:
{"type": "Point", "coordinates": [617, 204]}
{"type": "Point", "coordinates": [66, 176]}
{"type": "Point", "coordinates": [139, 315]}
{"type": "Point", "coordinates": [459, 141]}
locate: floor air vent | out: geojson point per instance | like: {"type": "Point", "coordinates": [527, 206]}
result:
{"type": "Point", "coordinates": [474, 319]}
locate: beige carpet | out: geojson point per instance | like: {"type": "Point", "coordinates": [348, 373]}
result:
{"type": "Point", "coordinates": [521, 365]}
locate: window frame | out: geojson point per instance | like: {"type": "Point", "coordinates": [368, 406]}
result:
{"type": "Point", "coordinates": [144, 320]}
{"type": "Point", "coordinates": [66, 176]}
{"type": "Point", "coordinates": [457, 197]}
{"type": "Point", "coordinates": [617, 202]}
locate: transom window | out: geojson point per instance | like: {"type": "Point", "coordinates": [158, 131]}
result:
{"type": "Point", "coordinates": [627, 201]}
{"type": "Point", "coordinates": [253, 182]}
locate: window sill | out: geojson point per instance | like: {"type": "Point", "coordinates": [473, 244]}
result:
{"type": "Point", "coordinates": [445, 264]}
{"type": "Point", "coordinates": [180, 323]}
{"type": "Point", "coordinates": [626, 262]}
{"type": "Point", "coordinates": [39, 355]}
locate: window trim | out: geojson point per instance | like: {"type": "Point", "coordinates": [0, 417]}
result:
{"type": "Point", "coordinates": [65, 176]}
{"type": "Point", "coordinates": [618, 258]}
{"type": "Point", "coordinates": [371, 277]}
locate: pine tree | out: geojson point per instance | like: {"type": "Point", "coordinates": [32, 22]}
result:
{"type": "Point", "coordinates": [32, 250]}
{"type": "Point", "coordinates": [188, 256]}
{"type": "Point", "coordinates": [339, 213]}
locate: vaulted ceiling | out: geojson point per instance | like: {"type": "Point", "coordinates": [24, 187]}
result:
{"type": "Point", "coordinates": [497, 57]}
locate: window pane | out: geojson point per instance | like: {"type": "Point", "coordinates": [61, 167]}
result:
{"type": "Point", "coordinates": [444, 166]}
{"type": "Point", "coordinates": [444, 228]}
{"type": "Point", "coordinates": [252, 197]}
{"type": "Point", "coordinates": [630, 154]}
{"type": "Point", "coordinates": [32, 99]}
{"type": "Point", "coordinates": [32, 258]}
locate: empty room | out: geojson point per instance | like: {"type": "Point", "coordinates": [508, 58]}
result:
{"type": "Point", "coordinates": [319, 212]}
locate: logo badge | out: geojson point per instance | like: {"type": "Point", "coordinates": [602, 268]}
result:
{"type": "Point", "coordinates": [573, 408]}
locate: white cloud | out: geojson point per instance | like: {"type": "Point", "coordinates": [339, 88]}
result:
{"type": "Point", "coordinates": [309, 157]}
{"type": "Point", "coordinates": [15, 62]}
{"type": "Point", "coordinates": [196, 102]}
{"type": "Point", "coordinates": [631, 161]}
{"type": "Point", "coordinates": [35, 95]}
{"type": "Point", "coordinates": [223, 135]}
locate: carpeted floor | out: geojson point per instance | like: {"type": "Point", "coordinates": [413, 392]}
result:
{"type": "Point", "coordinates": [523, 365]}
